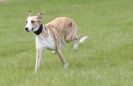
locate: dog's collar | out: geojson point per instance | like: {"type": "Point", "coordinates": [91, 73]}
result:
{"type": "Point", "coordinates": [39, 30]}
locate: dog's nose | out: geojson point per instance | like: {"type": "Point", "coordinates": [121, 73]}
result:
{"type": "Point", "coordinates": [26, 29]}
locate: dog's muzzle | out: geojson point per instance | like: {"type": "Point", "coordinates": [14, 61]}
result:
{"type": "Point", "coordinates": [26, 29]}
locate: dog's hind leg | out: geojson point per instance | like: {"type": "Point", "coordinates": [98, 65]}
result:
{"type": "Point", "coordinates": [78, 41]}
{"type": "Point", "coordinates": [76, 44]}
{"type": "Point", "coordinates": [82, 39]}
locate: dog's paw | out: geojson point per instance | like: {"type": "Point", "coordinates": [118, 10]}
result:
{"type": "Point", "coordinates": [83, 39]}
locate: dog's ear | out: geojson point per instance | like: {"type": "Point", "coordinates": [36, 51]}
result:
{"type": "Point", "coordinates": [40, 15]}
{"type": "Point", "coordinates": [30, 13]}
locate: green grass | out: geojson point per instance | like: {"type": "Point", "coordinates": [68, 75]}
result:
{"type": "Point", "coordinates": [105, 59]}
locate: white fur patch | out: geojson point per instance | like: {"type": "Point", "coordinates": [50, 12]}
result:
{"type": "Point", "coordinates": [29, 24]}
{"type": "Point", "coordinates": [83, 39]}
{"type": "Point", "coordinates": [42, 42]}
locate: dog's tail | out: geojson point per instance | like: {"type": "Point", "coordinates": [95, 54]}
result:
{"type": "Point", "coordinates": [82, 39]}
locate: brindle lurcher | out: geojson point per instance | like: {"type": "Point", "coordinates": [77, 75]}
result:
{"type": "Point", "coordinates": [53, 35]}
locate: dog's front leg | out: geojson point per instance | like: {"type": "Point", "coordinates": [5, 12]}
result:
{"type": "Point", "coordinates": [38, 58]}
{"type": "Point", "coordinates": [60, 54]}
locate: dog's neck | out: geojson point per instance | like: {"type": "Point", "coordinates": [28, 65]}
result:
{"type": "Point", "coordinates": [39, 30]}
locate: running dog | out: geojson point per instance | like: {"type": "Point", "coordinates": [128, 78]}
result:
{"type": "Point", "coordinates": [53, 35]}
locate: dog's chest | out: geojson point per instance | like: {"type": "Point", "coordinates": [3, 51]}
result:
{"type": "Point", "coordinates": [45, 42]}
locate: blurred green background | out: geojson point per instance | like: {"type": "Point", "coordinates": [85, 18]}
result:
{"type": "Point", "coordinates": [105, 59]}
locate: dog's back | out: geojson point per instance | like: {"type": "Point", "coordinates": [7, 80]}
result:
{"type": "Point", "coordinates": [65, 27]}
{"type": "Point", "coordinates": [61, 22]}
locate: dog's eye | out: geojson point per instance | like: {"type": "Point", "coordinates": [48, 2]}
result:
{"type": "Point", "coordinates": [32, 21]}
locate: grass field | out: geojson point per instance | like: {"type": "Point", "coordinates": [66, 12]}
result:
{"type": "Point", "coordinates": [105, 59]}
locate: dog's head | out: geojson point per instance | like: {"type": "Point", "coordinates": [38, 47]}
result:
{"type": "Point", "coordinates": [33, 22]}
